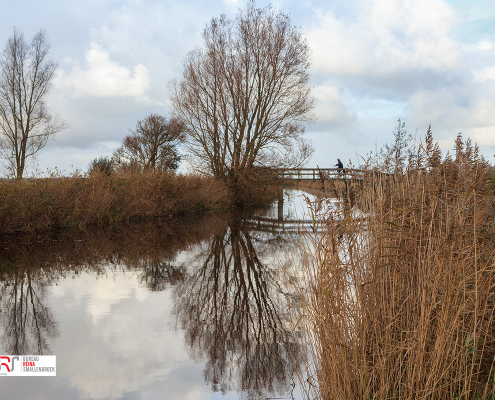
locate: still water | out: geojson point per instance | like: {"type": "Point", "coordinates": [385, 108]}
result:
{"type": "Point", "coordinates": [189, 309]}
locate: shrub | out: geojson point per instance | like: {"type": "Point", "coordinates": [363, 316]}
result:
{"type": "Point", "coordinates": [102, 165]}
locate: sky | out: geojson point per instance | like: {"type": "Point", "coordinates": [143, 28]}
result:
{"type": "Point", "coordinates": [373, 61]}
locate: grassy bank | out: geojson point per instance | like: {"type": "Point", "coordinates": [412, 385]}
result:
{"type": "Point", "coordinates": [400, 304]}
{"type": "Point", "coordinates": [32, 205]}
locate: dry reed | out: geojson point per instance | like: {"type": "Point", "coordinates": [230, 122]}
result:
{"type": "Point", "coordinates": [400, 293]}
{"type": "Point", "coordinates": [33, 205]}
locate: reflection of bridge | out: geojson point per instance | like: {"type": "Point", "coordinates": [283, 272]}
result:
{"type": "Point", "coordinates": [274, 225]}
{"type": "Point", "coordinates": [313, 174]}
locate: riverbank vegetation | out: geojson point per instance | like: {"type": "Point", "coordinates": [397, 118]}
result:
{"type": "Point", "coordinates": [99, 199]}
{"type": "Point", "coordinates": [400, 302]}
{"type": "Point", "coordinates": [38, 204]}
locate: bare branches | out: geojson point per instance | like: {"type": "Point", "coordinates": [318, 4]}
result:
{"type": "Point", "coordinates": [152, 145]}
{"type": "Point", "coordinates": [245, 97]}
{"type": "Point", "coordinates": [26, 124]}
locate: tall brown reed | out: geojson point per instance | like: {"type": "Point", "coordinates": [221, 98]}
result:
{"type": "Point", "coordinates": [400, 294]}
{"type": "Point", "coordinates": [76, 201]}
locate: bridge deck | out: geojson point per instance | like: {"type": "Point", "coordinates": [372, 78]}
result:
{"type": "Point", "coordinates": [313, 174]}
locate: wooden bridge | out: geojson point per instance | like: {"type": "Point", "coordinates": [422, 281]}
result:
{"type": "Point", "coordinates": [313, 174]}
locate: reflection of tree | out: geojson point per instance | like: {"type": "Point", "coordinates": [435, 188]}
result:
{"type": "Point", "coordinates": [28, 265]}
{"type": "Point", "coordinates": [229, 308]}
{"type": "Point", "coordinates": [157, 275]}
{"type": "Point", "coordinates": [28, 322]}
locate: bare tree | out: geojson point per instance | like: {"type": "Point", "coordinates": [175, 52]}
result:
{"type": "Point", "coordinates": [245, 97]}
{"type": "Point", "coordinates": [26, 123]}
{"type": "Point", "coordinates": [152, 145]}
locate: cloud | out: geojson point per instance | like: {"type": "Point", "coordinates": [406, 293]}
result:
{"type": "Point", "coordinates": [104, 77]}
{"type": "Point", "coordinates": [402, 58]}
{"type": "Point", "coordinates": [108, 316]}
{"type": "Point", "coordinates": [384, 39]}
{"type": "Point", "coordinates": [467, 109]}
{"type": "Point", "coordinates": [232, 3]}
{"type": "Point", "coordinates": [425, 61]}
{"type": "Point", "coordinates": [330, 109]}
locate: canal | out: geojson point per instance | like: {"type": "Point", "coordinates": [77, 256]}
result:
{"type": "Point", "coordinates": [196, 308]}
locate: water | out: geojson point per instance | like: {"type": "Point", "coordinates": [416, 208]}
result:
{"type": "Point", "coordinates": [190, 309]}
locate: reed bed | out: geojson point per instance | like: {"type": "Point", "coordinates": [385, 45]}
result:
{"type": "Point", "coordinates": [32, 205]}
{"type": "Point", "coordinates": [399, 302]}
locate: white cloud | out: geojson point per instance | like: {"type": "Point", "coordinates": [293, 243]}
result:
{"type": "Point", "coordinates": [386, 36]}
{"type": "Point", "coordinates": [426, 61]}
{"type": "Point", "coordinates": [104, 77]}
{"type": "Point", "coordinates": [467, 109]}
{"type": "Point", "coordinates": [484, 45]}
{"type": "Point", "coordinates": [232, 3]}
{"type": "Point", "coordinates": [485, 74]}
{"type": "Point", "coordinates": [330, 108]}
{"type": "Point", "coordinates": [402, 57]}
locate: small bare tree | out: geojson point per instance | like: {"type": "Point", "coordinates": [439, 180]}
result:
{"type": "Point", "coordinates": [245, 97]}
{"type": "Point", "coordinates": [152, 145]}
{"type": "Point", "coordinates": [26, 124]}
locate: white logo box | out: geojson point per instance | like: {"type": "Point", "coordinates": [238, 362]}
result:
{"type": "Point", "coordinates": [28, 365]}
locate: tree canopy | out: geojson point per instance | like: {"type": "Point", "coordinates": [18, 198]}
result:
{"type": "Point", "coordinates": [245, 97]}
{"type": "Point", "coordinates": [151, 146]}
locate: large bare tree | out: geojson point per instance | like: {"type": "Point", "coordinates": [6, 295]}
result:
{"type": "Point", "coordinates": [245, 97]}
{"type": "Point", "coordinates": [26, 124]}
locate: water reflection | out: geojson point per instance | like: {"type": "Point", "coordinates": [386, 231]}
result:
{"type": "Point", "coordinates": [28, 322]}
{"type": "Point", "coordinates": [29, 265]}
{"type": "Point", "coordinates": [230, 309]}
{"type": "Point", "coordinates": [160, 274]}
{"type": "Point", "coordinates": [67, 294]}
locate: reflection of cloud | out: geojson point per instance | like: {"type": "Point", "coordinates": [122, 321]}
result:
{"type": "Point", "coordinates": [126, 336]}
{"type": "Point", "coordinates": [100, 295]}
{"type": "Point", "coordinates": [104, 77]}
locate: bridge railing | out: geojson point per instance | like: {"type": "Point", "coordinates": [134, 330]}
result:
{"type": "Point", "coordinates": [313, 174]}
